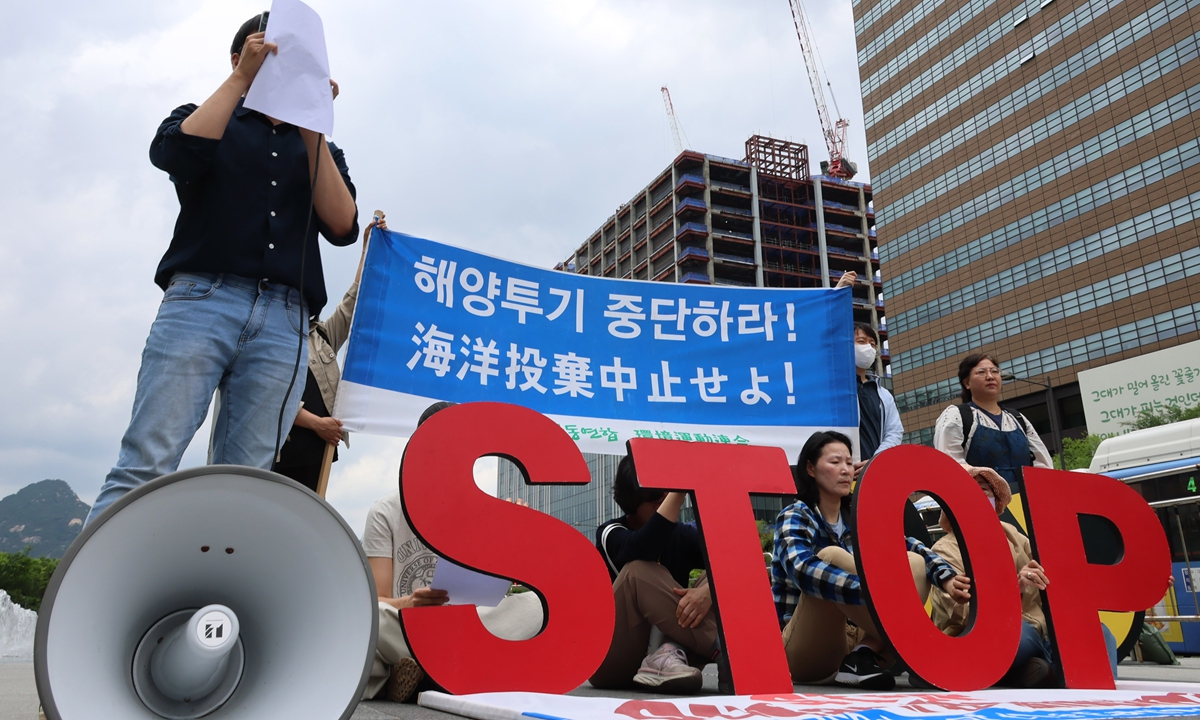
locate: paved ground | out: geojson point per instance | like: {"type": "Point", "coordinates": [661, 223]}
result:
{"type": "Point", "coordinates": [18, 695]}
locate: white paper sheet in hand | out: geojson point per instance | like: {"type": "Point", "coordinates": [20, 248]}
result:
{"type": "Point", "coordinates": [467, 587]}
{"type": "Point", "coordinates": [293, 84]}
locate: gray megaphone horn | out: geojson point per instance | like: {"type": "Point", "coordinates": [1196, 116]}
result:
{"type": "Point", "coordinates": [220, 591]}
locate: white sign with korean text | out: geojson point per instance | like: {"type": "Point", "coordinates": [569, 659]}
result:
{"type": "Point", "coordinates": [1116, 393]}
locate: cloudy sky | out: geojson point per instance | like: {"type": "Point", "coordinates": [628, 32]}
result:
{"type": "Point", "coordinates": [513, 128]}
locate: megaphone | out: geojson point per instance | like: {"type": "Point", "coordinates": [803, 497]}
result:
{"type": "Point", "coordinates": [223, 592]}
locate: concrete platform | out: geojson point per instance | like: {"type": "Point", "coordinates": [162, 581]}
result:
{"type": "Point", "coordinates": [18, 694]}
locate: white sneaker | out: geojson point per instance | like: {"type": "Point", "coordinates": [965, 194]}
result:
{"type": "Point", "coordinates": [666, 671]}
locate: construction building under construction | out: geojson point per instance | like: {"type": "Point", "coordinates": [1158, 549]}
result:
{"type": "Point", "coordinates": [762, 221]}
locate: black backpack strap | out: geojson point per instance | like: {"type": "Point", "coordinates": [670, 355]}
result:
{"type": "Point", "coordinates": [1024, 421]}
{"type": "Point", "coordinates": [968, 419]}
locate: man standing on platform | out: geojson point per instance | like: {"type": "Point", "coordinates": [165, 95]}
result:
{"type": "Point", "coordinates": [233, 317]}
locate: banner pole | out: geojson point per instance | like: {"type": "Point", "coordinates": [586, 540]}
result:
{"type": "Point", "coordinates": [326, 464]}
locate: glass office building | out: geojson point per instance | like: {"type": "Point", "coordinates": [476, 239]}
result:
{"type": "Point", "coordinates": [1036, 176]}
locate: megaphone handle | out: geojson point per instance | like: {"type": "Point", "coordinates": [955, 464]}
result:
{"type": "Point", "coordinates": [326, 464]}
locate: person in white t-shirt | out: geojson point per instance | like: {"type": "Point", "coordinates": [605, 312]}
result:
{"type": "Point", "coordinates": [403, 569]}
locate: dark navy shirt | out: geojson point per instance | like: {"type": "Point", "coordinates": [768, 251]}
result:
{"type": "Point", "coordinates": [674, 545]}
{"type": "Point", "coordinates": [870, 419]}
{"type": "Point", "coordinates": [243, 202]}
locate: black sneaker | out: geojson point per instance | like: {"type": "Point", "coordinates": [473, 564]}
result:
{"type": "Point", "coordinates": [861, 669]}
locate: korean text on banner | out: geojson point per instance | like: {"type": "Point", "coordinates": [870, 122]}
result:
{"type": "Point", "coordinates": [609, 360]}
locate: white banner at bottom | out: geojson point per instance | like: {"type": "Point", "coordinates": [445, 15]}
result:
{"type": "Point", "coordinates": [1129, 700]}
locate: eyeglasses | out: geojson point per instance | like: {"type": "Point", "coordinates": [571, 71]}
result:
{"type": "Point", "coordinates": [986, 372]}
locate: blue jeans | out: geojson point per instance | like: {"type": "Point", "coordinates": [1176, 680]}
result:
{"type": "Point", "coordinates": [1032, 645]}
{"type": "Point", "coordinates": [213, 333]}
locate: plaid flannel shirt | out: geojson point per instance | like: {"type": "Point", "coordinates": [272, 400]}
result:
{"type": "Point", "coordinates": [800, 534]}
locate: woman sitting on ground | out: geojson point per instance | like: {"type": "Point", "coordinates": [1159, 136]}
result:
{"type": "Point", "coordinates": [1032, 667]}
{"type": "Point", "coordinates": [815, 580]}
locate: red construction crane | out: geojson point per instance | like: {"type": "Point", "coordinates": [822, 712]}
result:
{"type": "Point", "coordinates": [671, 116]}
{"type": "Point", "coordinates": [834, 131]}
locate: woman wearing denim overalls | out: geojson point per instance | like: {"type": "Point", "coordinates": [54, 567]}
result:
{"type": "Point", "coordinates": [998, 439]}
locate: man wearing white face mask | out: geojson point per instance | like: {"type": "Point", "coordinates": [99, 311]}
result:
{"type": "Point", "coordinates": [879, 425]}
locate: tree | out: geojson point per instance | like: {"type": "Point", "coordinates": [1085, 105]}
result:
{"type": "Point", "coordinates": [1077, 453]}
{"type": "Point", "coordinates": [766, 535]}
{"type": "Point", "coordinates": [25, 578]}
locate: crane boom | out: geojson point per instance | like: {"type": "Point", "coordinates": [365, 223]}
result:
{"type": "Point", "coordinates": [671, 116]}
{"type": "Point", "coordinates": [834, 131]}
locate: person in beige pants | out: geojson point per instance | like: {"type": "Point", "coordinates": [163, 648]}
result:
{"type": "Point", "coordinates": [650, 555]}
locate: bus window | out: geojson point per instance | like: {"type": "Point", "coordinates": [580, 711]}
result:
{"type": "Point", "coordinates": [1173, 518]}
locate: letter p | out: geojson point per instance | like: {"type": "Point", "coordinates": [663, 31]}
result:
{"type": "Point", "coordinates": [1078, 590]}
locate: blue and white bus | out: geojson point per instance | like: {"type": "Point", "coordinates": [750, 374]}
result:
{"type": "Point", "coordinates": [1163, 465]}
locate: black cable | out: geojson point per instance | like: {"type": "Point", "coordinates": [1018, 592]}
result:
{"type": "Point", "coordinates": [312, 195]}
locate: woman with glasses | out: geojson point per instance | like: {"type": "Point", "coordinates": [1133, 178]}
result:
{"type": "Point", "coordinates": [983, 436]}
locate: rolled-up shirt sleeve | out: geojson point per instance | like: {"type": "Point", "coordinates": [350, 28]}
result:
{"type": "Point", "coordinates": [339, 159]}
{"type": "Point", "coordinates": [184, 157]}
{"type": "Point", "coordinates": [936, 569]}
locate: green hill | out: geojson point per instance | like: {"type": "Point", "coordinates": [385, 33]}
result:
{"type": "Point", "coordinates": [45, 517]}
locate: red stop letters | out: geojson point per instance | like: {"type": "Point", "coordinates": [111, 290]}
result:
{"type": "Point", "coordinates": [460, 522]}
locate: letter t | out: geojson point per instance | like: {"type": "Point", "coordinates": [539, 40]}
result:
{"type": "Point", "coordinates": [721, 478]}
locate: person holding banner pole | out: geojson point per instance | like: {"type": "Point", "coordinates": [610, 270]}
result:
{"type": "Point", "coordinates": [254, 193]}
{"type": "Point", "coordinates": [311, 446]}
{"type": "Point", "coordinates": [814, 575]}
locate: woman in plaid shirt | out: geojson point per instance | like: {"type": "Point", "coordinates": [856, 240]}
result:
{"type": "Point", "coordinates": [815, 580]}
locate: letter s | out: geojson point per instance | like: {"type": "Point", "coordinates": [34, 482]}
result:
{"type": "Point", "coordinates": [461, 522]}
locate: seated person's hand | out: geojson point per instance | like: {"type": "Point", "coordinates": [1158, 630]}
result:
{"type": "Point", "coordinates": [1033, 575]}
{"type": "Point", "coordinates": [958, 588]}
{"type": "Point", "coordinates": [422, 597]}
{"type": "Point", "coordinates": [694, 604]}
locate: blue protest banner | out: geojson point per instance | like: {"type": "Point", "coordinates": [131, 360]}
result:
{"type": "Point", "coordinates": [607, 359]}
